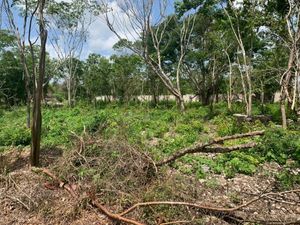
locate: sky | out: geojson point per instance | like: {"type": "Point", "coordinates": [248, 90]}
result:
{"type": "Point", "coordinates": [100, 39]}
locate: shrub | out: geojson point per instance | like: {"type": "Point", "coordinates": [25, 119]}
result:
{"type": "Point", "coordinates": [18, 135]}
{"type": "Point", "coordinates": [225, 125]}
{"type": "Point", "coordinates": [13, 129]}
{"type": "Point", "coordinates": [286, 179]}
{"type": "Point", "coordinates": [237, 162]}
{"type": "Point", "coordinates": [279, 145]}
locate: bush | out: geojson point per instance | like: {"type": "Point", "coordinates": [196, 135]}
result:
{"type": "Point", "coordinates": [286, 179]}
{"type": "Point", "coordinates": [226, 125]}
{"type": "Point", "coordinates": [238, 162]}
{"type": "Point", "coordinates": [13, 129]}
{"type": "Point", "coordinates": [15, 136]}
{"type": "Point", "coordinates": [279, 145]}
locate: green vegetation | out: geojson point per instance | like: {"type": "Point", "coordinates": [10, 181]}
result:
{"type": "Point", "coordinates": [159, 131]}
{"type": "Point", "coordinates": [122, 112]}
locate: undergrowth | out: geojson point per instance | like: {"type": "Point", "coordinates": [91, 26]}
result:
{"type": "Point", "coordinates": [159, 132]}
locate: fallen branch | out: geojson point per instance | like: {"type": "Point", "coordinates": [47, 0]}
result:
{"type": "Point", "coordinates": [61, 184]}
{"type": "Point", "coordinates": [226, 214]}
{"type": "Point", "coordinates": [221, 149]}
{"type": "Point", "coordinates": [205, 147]}
{"type": "Point", "coordinates": [112, 216]}
{"type": "Point", "coordinates": [177, 222]}
{"type": "Point", "coordinates": [18, 201]}
{"type": "Point", "coordinates": [68, 188]}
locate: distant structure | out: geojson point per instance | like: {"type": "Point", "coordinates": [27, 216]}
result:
{"type": "Point", "coordinates": [186, 98]}
{"type": "Point", "coordinates": [148, 98]}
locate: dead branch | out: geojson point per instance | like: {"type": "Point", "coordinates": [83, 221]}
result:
{"type": "Point", "coordinates": [201, 207]}
{"type": "Point", "coordinates": [60, 183]}
{"type": "Point", "coordinates": [112, 216]}
{"type": "Point", "coordinates": [221, 149]}
{"type": "Point", "coordinates": [177, 222]}
{"type": "Point", "coordinates": [68, 188]}
{"type": "Point", "coordinates": [18, 201]}
{"type": "Point", "coordinates": [204, 147]}
{"type": "Point", "coordinates": [224, 213]}
{"type": "Point", "coordinates": [18, 188]}
{"type": "Point", "coordinates": [227, 214]}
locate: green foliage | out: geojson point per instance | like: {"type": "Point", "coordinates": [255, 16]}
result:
{"type": "Point", "coordinates": [159, 131]}
{"type": "Point", "coordinates": [226, 125]}
{"type": "Point", "coordinates": [97, 77]}
{"type": "Point", "coordinates": [12, 89]}
{"type": "Point", "coordinates": [280, 145]}
{"type": "Point", "coordinates": [13, 129]}
{"type": "Point", "coordinates": [274, 111]}
{"type": "Point", "coordinates": [287, 179]}
{"type": "Point", "coordinates": [237, 162]}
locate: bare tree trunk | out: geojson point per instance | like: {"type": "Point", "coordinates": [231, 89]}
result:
{"type": "Point", "coordinates": [246, 88]}
{"type": "Point", "coordinates": [28, 112]}
{"type": "Point", "coordinates": [293, 28]}
{"type": "Point", "coordinates": [262, 96]}
{"type": "Point", "coordinates": [295, 91]}
{"type": "Point", "coordinates": [69, 91]}
{"type": "Point", "coordinates": [21, 46]}
{"type": "Point", "coordinates": [28, 101]}
{"type": "Point", "coordinates": [285, 80]}
{"type": "Point", "coordinates": [229, 92]}
{"type": "Point", "coordinates": [37, 115]}
{"type": "Point", "coordinates": [180, 103]}
{"type": "Point", "coordinates": [283, 112]}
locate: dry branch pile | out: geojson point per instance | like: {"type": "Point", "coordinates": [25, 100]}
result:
{"type": "Point", "coordinates": [229, 215]}
{"type": "Point", "coordinates": [115, 179]}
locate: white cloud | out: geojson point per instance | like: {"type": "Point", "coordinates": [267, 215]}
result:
{"type": "Point", "coordinates": [101, 39]}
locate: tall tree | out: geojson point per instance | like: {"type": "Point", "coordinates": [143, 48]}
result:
{"type": "Point", "coordinates": [69, 25]}
{"type": "Point", "coordinates": [146, 22]}
{"type": "Point", "coordinates": [33, 14]}
{"type": "Point", "coordinates": [291, 75]}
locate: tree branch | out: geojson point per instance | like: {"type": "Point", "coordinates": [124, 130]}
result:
{"type": "Point", "coordinates": [204, 148]}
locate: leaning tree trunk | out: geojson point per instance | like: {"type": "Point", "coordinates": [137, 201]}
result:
{"type": "Point", "coordinates": [180, 103]}
{"type": "Point", "coordinates": [285, 81]}
{"type": "Point", "coordinates": [37, 115]}
{"type": "Point", "coordinates": [229, 91]}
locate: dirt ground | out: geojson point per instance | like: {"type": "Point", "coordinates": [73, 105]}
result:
{"type": "Point", "coordinates": [30, 198]}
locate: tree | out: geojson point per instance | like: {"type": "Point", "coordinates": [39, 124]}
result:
{"type": "Point", "coordinates": [69, 25]}
{"type": "Point", "coordinates": [149, 29]}
{"type": "Point", "coordinates": [97, 76]}
{"type": "Point", "coordinates": [126, 76]}
{"type": "Point", "coordinates": [31, 15]}
{"type": "Point", "coordinates": [12, 89]}
{"type": "Point", "coordinates": [11, 79]}
{"type": "Point", "coordinates": [291, 75]}
{"type": "Point", "coordinates": [245, 67]}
